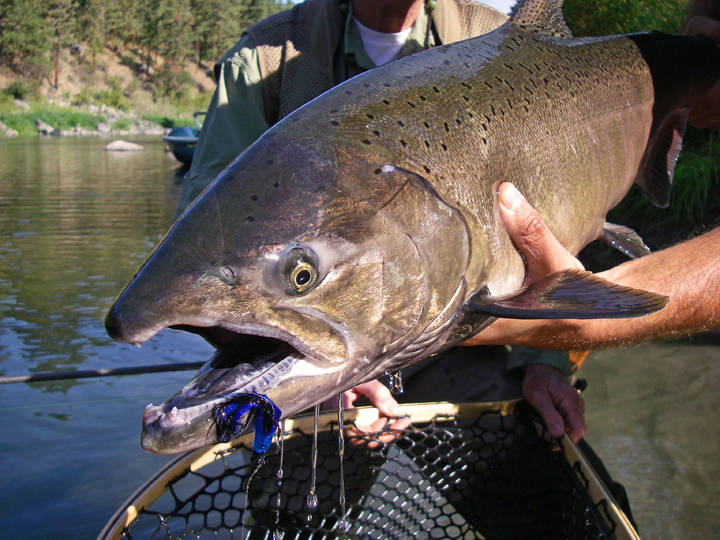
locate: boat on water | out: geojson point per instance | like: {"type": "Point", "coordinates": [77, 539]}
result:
{"type": "Point", "coordinates": [183, 140]}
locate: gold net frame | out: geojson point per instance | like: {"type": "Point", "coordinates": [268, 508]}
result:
{"type": "Point", "coordinates": [611, 520]}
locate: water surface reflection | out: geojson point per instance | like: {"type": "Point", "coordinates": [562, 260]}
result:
{"type": "Point", "coordinates": [75, 224]}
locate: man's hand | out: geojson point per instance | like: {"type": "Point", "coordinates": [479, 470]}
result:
{"type": "Point", "coordinates": [558, 403]}
{"type": "Point", "coordinates": [381, 398]}
{"type": "Point", "coordinates": [706, 111]}
{"type": "Point", "coordinates": [545, 387]}
{"type": "Point", "coordinates": [532, 237]}
{"type": "Point", "coordinates": [543, 254]}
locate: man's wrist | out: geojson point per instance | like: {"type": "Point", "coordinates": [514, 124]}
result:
{"type": "Point", "coordinates": [521, 357]}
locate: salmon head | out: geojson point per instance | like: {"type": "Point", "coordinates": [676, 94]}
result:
{"type": "Point", "coordinates": [311, 268]}
{"type": "Point", "coordinates": [362, 233]}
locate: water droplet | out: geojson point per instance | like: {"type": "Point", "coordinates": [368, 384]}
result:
{"type": "Point", "coordinates": [279, 475]}
{"type": "Point", "coordinates": [258, 464]}
{"type": "Point", "coordinates": [311, 497]}
{"type": "Point", "coordinates": [395, 381]}
{"type": "Point", "coordinates": [342, 524]}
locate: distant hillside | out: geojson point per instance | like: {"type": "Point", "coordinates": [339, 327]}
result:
{"type": "Point", "coordinates": [136, 52]}
{"type": "Point", "coordinates": [115, 79]}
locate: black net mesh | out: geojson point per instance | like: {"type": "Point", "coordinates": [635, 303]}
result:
{"type": "Point", "coordinates": [492, 477]}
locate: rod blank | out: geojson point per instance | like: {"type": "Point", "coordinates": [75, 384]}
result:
{"type": "Point", "coordinates": [88, 373]}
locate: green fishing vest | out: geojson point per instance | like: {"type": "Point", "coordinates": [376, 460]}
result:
{"type": "Point", "coordinates": [296, 48]}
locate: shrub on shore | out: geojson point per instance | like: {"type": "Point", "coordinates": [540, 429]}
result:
{"type": "Point", "coordinates": [66, 117]}
{"type": "Point", "coordinates": [58, 117]}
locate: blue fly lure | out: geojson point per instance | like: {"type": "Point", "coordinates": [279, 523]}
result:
{"type": "Point", "coordinates": [233, 417]}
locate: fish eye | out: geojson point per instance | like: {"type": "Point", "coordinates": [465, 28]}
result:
{"type": "Point", "coordinates": [226, 274]}
{"type": "Point", "coordinates": [301, 272]}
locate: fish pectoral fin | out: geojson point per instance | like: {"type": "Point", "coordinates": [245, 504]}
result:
{"type": "Point", "coordinates": [625, 239]}
{"type": "Point", "coordinates": [658, 164]}
{"type": "Point", "coordinates": [570, 294]}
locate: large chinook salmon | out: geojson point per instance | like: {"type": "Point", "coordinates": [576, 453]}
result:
{"type": "Point", "coordinates": [362, 233]}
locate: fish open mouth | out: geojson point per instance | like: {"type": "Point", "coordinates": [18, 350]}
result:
{"type": "Point", "coordinates": [243, 364]}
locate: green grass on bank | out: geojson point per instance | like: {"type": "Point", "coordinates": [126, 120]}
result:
{"type": "Point", "coordinates": [167, 111]}
{"type": "Point", "coordinates": [23, 121]}
{"type": "Point", "coordinates": [58, 117]}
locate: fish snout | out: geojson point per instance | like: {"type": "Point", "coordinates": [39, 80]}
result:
{"type": "Point", "coordinates": [113, 324]}
{"type": "Point", "coordinates": [129, 323]}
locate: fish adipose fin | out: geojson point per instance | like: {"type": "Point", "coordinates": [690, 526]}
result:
{"type": "Point", "coordinates": [570, 294]}
{"type": "Point", "coordinates": [543, 15]}
{"type": "Point", "coordinates": [625, 239]}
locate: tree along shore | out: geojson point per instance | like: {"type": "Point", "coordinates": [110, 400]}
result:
{"type": "Point", "coordinates": [162, 35]}
{"type": "Point", "coordinates": [82, 66]}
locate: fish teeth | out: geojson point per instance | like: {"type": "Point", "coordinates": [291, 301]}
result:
{"type": "Point", "coordinates": [177, 417]}
{"type": "Point", "coordinates": [172, 416]}
{"type": "Point", "coordinates": [151, 414]}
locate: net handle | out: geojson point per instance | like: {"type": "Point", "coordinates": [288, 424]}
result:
{"type": "Point", "coordinates": [156, 485]}
{"type": "Point", "coordinates": [598, 491]}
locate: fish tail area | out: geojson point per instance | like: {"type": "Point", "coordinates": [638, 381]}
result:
{"type": "Point", "coordinates": [682, 69]}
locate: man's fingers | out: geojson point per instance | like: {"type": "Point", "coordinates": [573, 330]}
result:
{"type": "Point", "coordinates": [556, 400]}
{"type": "Point", "coordinates": [703, 26]}
{"type": "Point", "coordinates": [380, 397]}
{"type": "Point", "coordinates": [541, 401]}
{"type": "Point", "coordinates": [572, 408]}
{"type": "Point", "coordinates": [705, 113]}
{"type": "Point", "coordinates": [377, 433]}
{"type": "Point", "coordinates": [531, 235]}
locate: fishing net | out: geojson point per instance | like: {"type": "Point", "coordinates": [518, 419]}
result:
{"type": "Point", "coordinates": [493, 476]}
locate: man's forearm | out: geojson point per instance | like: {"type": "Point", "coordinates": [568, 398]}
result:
{"type": "Point", "coordinates": [688, 273]}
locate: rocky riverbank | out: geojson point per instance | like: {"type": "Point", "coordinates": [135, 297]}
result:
{"type": "Point", "coordinates": [115, 123]}
{"type": "Point", "coordinates": [7, 131]}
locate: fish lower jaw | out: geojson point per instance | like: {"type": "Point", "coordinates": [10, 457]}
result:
{"type": "Point", "coordinates": [160, 417]}
{"type": "Point", "coordinates": [175, 418]}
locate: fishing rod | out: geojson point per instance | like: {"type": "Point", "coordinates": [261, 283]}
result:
{"type": "Point", "coordinates": [88, 373]}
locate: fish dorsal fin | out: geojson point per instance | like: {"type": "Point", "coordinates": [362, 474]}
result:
{"type": "Point", "coordinates": [545, 16]}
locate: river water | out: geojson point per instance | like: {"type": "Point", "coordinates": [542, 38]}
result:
{"type": "Point", "coordinates": [75, 224]}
